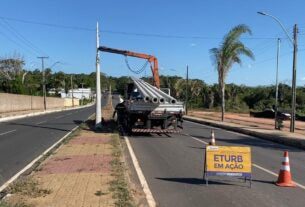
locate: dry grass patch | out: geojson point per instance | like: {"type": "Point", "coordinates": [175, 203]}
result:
{"type": "Point", "coordinates": [28, 186]}
{"type": "Point", "coordinates": [119, 185]}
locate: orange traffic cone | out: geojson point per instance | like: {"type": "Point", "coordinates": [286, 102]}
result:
{"type": "Point", "coordinates": [284, 179]}
{"type": "Point", "coordinates": [212, 142]}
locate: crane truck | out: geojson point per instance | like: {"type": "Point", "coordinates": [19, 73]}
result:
{"type": "Point", "coordinates": [146, 108]}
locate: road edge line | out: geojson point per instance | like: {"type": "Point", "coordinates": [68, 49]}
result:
{"type": "Point", "coordinates": [28, 166]}
{"type": "Point", "coordinates": [276, 175]}
{"type": "Point", "coordinates": [149, 197]}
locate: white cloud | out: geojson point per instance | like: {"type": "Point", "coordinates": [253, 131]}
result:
{"type": "Point", "coordinates": [193, 45]}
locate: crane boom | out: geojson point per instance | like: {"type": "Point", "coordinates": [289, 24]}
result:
{"type": "Point", "coordinates": [150, 58]}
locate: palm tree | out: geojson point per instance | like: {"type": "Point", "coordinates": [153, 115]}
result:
{"type": "Point", "coordinates": [227, 54]}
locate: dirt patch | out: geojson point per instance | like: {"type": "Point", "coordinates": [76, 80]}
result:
{"type": "Point", "coordinates": [91, 139]}
{"type": "Point", "coordinates": [77, 163]}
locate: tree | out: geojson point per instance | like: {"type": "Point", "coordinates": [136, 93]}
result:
{"type": "Point", "coordinates": [227, 54]}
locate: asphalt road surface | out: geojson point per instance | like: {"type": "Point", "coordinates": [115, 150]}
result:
{"type": "Point", "coordinates": [22, 140]}
{"type": "Point", "coordinates": [173, 168]}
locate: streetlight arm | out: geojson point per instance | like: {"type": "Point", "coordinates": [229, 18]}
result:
{"type": "Point", "coordinates": [279, 22]}
{"type": "Point", "coordinates": [58, 62]}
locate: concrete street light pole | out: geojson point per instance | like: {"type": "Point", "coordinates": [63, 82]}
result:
{"type": "Point", "coordinates": [98, 110]}
{"type": "Point", "coordinates": [295, 49]}
{"type": "Point", "coordinates": [187, 88]}
{"type": "Point", "coordinates": [277, 83]}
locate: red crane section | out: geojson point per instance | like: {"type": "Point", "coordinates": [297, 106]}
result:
{"type": "Point", "coordinates": [150, 58]}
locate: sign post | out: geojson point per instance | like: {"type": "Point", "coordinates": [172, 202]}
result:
{"type": "Point", "coordinates": [227, 161]}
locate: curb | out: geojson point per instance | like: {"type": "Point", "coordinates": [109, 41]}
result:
{"type": "Point", "coordinates": [41, 113]}
{"type": "Point", "coordinates": [293, 142]}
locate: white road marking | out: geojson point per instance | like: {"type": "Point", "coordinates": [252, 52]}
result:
{"type": "Point", "coordinates": [58, 117]}
{"type": "Point", "coordinates": [199, 140]}
{"type": "Point", "coordinates": [41, 122]}
{"type": "Point", "coordinates": [8, 132]}
{"type": "Point", "coordinates": [257, 166]}
{"type": "Point", "coordinates": [276, 175]}
{"type": "Point", "coordinates": [149, 197]}
{"type": "Point", "coordinates": [12, 179]}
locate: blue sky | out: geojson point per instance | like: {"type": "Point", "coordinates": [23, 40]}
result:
{"type": "Point", "coordinates": [209, 19]}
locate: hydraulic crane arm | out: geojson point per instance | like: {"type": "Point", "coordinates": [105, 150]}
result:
{"type": "Point", "coordinates": [152, 59]}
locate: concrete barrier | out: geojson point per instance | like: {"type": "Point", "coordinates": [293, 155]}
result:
{"type": "Point", "coordinates": [14, 102]}
{"type": "Point", "coordinates": [68, 102]}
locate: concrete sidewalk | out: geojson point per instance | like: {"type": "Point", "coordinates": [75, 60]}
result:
{"type": "Point", "coordinates": [260, 130]}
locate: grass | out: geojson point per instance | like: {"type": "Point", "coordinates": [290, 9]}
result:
{"type": "Point", "coordinates": [119, 186]}
{"type": "Point", "coordinates": [26, 186]}
{"type": "Point", "coordinates": [29, 187]}
{"type": "Point", "coordinates": [5, 204]}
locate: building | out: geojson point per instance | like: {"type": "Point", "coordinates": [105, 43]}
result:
{"type": "Point", "coordinates": [80, 93]}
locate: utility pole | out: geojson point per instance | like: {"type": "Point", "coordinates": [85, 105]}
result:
{"type": "Point", "coordinates": [294, 42]}
{"type": "Point", "coordinates": [43, 82]}
{"type": "Point", "coordinates": [98, 111]}
{"type": "Point", "coordinates": [82, 93]}
{"type": "Point", "coordinates": [277, 83]}
{"type": "Point", "coordinates": [72, 91]}
{"type": "Point", "coordinates": [187, 88]}
{"type": "Point", "coordinates": [294, 69]}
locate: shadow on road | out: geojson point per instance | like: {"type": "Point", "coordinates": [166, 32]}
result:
{"type": "Point", "coordinates": [201, 148]}
{"type": "Point", "coordinates": [194, 181]}
{"type": "Point", "coordinates": [264, 181]}
{"type": "Point", "coordinates": [39, 126]}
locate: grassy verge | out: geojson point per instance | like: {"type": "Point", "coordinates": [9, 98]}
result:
{"type": "Point", "coordinates": [119, 185]}
{"type": "Point", "coordinates": [5, 204]}
{"type": "Point", "coordinates": [28, 186]}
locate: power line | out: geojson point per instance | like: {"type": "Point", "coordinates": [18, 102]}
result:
{"type": "Point", "coordinates": [125, 33]}
{"type": "Point", "coordinates": [21, 38]}
{"type": "Point", "coordinates": [47, 24]}
{"type": "Point", "coordinates": [269, 59]}
{"type": "Point", "coordinates": [16, 43]}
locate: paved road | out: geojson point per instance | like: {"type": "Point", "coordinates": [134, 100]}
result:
{"type": "Point", "coordinates": [24, 139]}
{"type": "Point", "coordinates": [115, 100]}
{"type": "Point", "coordinates": [173, 168]}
